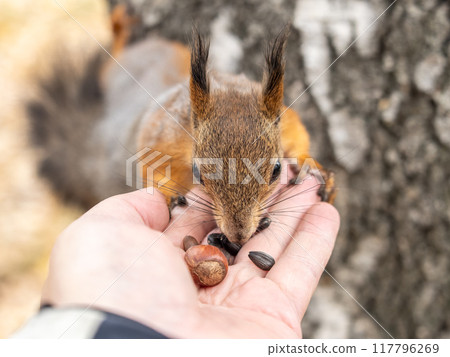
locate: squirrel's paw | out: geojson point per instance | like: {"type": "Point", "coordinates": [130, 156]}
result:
{"type": "Point", "coordinates": [327, 190]}
{"type": "Point", "coordinates": [178, 200]}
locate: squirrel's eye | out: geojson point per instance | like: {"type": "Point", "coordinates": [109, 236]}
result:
{"type": "Point", "coordinates": [196, 173]}
{"type": "Point", "coordinates": [276, 171]}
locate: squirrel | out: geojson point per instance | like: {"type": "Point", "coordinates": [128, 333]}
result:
{"type": "Point", "coordinates": [88, 123]}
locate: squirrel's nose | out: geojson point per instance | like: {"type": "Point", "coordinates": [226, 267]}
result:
{"type": "Point", "coordinates": [237, 230]}
{"type": "Point", "coordinates": [240, 236]}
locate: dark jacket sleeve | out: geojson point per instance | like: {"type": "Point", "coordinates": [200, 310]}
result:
{"type": "Point", "coordinates": [75, 322]}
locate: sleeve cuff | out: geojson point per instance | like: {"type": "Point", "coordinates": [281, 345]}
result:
{"type": "Point", "coordinates": [76, 322]}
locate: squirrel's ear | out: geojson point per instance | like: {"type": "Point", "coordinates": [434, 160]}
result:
{"type": "Point", "coordinates": [199, 84]}
{"type": "Point", "coordinates": [274, 74]}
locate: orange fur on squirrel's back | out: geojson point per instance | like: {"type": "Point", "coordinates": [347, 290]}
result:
{"type": "Point", "coordinates": [294, 137]}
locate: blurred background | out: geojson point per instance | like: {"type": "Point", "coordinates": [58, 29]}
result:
{"type": "Point", "coordinates": [379, 116]}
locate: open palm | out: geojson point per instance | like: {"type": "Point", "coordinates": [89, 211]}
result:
{"type": "Point", "coordinates": [125, 256]}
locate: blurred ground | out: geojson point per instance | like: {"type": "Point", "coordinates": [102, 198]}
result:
{"type": "Point", "coordinates": [30, 215]}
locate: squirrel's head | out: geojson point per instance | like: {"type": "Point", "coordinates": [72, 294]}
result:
{"type": "Point", "coordinates": [238, 150]}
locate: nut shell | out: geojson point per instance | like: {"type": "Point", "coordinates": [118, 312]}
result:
{"type": "Point", "coordinates": [207, 264]}
{"type": "Point", "coordinates": [189, 241]}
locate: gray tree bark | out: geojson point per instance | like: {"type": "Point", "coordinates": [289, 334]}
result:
{"type": "Point", "coordinates": [379, 117]}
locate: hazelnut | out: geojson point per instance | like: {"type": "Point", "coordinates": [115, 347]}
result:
{"type": "Point", "coordinates": [207, 264]}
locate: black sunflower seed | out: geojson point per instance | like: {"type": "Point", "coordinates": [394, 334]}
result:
{"type": "Point", "coordinates": [215, 239]}
{"type": "Point", "coordinates": [263, 224]}
{"type": "Point", "coordinates": [232, 248]}
{"type": "Point", "coordinates": [262, 260]}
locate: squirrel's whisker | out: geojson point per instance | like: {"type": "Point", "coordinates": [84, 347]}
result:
{"type": "Point", "coordinates": [177, 192]}
{"type": "Point", "coordinates": [314, 188]}
{"type": "Point", "coordinates": [194, 223]}
{"type": "Point", "coordinates": [307, 221]}
{"type": "Point", "coordinates": [148, 182]}
{"type": "Point", "coordinates": [303, 212]}
{"type": "Point", "coordinates": [187, 189]}
{"type": "Point", "coordinates": [270, 239]}
{"type": "Point", "coordinates": [200, 209]}
{"type": "Point", "coordinates": [291, 209]}
{"type": "Point", "coordinates": [278, 193]}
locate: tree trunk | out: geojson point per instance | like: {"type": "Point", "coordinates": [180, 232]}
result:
{"type": "Point", "coordinates": [375, 96]}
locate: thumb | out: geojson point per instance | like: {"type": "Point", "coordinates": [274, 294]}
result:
{"type": "Point", "coordinates": [141, 206]}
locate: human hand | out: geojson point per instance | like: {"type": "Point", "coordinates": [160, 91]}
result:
{"type": "Point", "coordinates": [125, 256]}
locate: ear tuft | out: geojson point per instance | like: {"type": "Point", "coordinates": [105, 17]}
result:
{"type": "Point", "coordinates": [199, 84]}
{"type": "Point", "coordinates": [274, 73]}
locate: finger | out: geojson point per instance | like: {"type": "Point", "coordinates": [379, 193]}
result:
{"type": "Point", "coordinates": [194, 219]}
{"type": "Point", "coordinates": [298, 270]}
{"type": "Point", "coordinates": [141, 206]}
{"type": "Point", "coordinates": [285, 213]}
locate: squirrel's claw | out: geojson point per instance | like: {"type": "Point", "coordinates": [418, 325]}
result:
{"type": "Point", "coordinates": [327, 191]}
